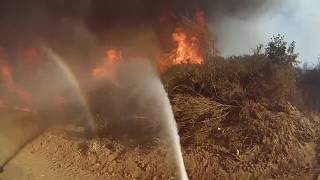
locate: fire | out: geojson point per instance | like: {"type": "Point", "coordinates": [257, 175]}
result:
{"type": "Point", "coordinates": [188, 49]}
{"type": "Point", "coordinates": [32, 56]}
{"type": "Point", "coordinates": [188, 43]}
{"type": "Point", "coordinates": [113, 57]}
{"type": "Point", "coordinates": [11, 88]}
{"type": "Point", "coordinates": [14, 93]}
{"type": "Point", "coordinates": [6, 75]}
{"type": "Point", "coordinates": [5, 71]}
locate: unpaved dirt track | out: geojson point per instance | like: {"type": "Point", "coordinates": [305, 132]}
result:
{"type": "Point", "coordinates": [16, 130]}
{"type": "Point", "coordinates": [20, 141]}
{"type": "Point", "coordinates": [30, 166]}
{"type": "Point", "coordinates": [64, 153]}
{"type": "Point", "coordinates": [32, 152]}
{"type": "Point", "coordinates": [53, 157]}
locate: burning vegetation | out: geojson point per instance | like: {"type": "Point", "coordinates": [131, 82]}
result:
{"type": "Point", "coordinates": [190, 40]}
{"type": "Point", "coordinates": [12, 93]}
{"type": "Point", "coordinates": [108, 70]}
{"type": "Point", "coordinates": [23, 71]}
{"type": "Point", "coordinates": [241, 115]}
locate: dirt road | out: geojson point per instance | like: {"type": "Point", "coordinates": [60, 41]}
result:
{"type": "Point", "coordinates": [64, 153]}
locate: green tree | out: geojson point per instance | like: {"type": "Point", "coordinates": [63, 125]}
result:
{"type": "Point", "coordinates": [279, 52]}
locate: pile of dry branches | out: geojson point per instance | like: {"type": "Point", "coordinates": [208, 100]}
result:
{"type": "Point", "coordinates": [197, 115]}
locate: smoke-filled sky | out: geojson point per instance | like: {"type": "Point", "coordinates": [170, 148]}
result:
{"type": "Point", "coordinates": [238, 25]}
{"type": "Point", "coordinates": [297, 20]}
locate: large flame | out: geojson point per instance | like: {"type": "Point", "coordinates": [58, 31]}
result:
{"type": "Point", "coordinates": [188, 42]}
{"type": "Point", "coordinates": [188, 48]}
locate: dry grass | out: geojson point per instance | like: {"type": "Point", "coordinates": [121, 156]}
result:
{"type": "Point", "coordinates": [254, 140]}
{"type": "Point", "coordinates": [234, 80]}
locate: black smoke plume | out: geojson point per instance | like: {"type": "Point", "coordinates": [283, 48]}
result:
{"type": "Point", "coordinates": [42, 18]}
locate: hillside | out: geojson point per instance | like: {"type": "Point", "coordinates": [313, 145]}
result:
{"type": "Point", "coordinates": [246, 117]}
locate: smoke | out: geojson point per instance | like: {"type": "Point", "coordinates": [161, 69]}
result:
{"type": "Point", "coordinates": [80, 31]}
{"type": "Point", "coordinates": [77, 28]}
{"type": "Point", "coordinates": [108, 14]}
{"type": "Point", "coordinates": [19, 127]}
{"type": "Point", "coordinates": [100, 15]}
{"type": "Point", "coordinates": [138, 109]}
{"type": "Point", "coordinates": [112, 23]}
{"type": "Point", "coordinates": [296, 20]}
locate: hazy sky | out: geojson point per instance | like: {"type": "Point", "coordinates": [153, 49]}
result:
{"type": "Point", "coordinates": [298, 20]}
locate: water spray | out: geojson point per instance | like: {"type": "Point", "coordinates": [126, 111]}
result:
{"type": "Point", "coordinates": [173, 132]}
{"type": "Point", "coordinates": [75, 84]}
{"type": "Point", "coordinates": [153, 91]}
{"type": "Point", "coordinates": [73, 80]}
{"type": "Point", "coordinates": [156, 92]}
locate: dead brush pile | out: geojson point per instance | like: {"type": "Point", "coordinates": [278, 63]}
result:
{"type": "Point", "coordinates": [253, 137]}
{"type": "Point", "coordinates": [197, 116]}
{"type": "Point", "coordinates": [239, 111]}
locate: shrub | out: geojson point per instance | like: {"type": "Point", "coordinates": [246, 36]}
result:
{"type": "Point", "coordinates": [279, 52]}
{"type": "Point", "coordinates": [268, 76]}
{"type": "Point", "coordinates": [233, 80]}
{"type": "Point", "coordinates": [309, 84]}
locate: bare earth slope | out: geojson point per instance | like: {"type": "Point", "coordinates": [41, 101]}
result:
{"type": "Point", "coordinates": [220, 142]}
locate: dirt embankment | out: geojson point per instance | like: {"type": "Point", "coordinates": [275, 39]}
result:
{"type": "Point", "coordinates": [253, 140]}
{"type": "Point", "coordinates": [219, 142]}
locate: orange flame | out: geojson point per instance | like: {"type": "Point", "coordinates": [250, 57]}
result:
{"type": "Point", "coordinates": [113, 57]}
{"type": "Point", "coordinates": [12, 88]}
{"type": "Point", "coordinates": [188, 49]}
{"type": "Point", "coordinates": [32, 56]}
{"type": "Point", "coordinates": [188, 44]}
{"type": "Point", "coordinates": [5, 71]}
{"type": "Point", "coordinates": [6, 75]}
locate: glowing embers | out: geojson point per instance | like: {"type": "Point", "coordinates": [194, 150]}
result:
{"type": "Point", "coordinates": [109, 68]}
